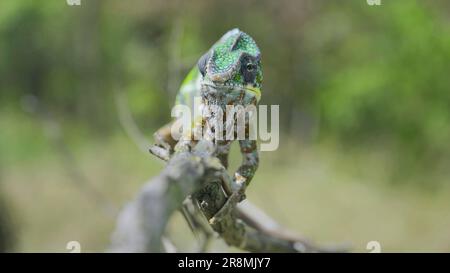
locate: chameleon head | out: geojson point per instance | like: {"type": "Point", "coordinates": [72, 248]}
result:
{"type": "Point", "coordinates": [231, 70]}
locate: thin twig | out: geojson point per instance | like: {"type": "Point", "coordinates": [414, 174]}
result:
{"type": "Point", "coordinates": [53, 131]}
{"type": "Point", "coordinates": [127, 122]}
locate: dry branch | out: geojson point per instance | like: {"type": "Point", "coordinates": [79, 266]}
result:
{"type": "Point", "coordinates": [197, 177]}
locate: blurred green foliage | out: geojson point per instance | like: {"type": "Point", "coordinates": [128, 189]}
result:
{"type": "Point", "coordinates": [352, 71]}
{"type": "Point", "coordinates": [387, 77]}
{"type": "Point", "coordinates": [357, 72]}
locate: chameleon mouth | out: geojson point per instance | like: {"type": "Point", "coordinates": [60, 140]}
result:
{"type": "Point", "coordinates": [249, 89]}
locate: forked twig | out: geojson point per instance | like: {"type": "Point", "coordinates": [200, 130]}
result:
{"type": "Point", "coordinates": [198, 175]}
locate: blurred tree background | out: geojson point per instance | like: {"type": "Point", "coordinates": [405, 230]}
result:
{"type": "Point", "coordinates": [364, 110]}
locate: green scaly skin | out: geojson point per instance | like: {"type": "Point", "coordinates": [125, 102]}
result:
{"type": "Point", "coordinates": [228, 74]}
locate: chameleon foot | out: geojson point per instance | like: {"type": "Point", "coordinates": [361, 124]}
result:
{"type": "Point", "coordinates": [160, 152]}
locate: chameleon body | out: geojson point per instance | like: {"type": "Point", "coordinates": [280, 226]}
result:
{"type": "Point", "coordinates": [229, 73]}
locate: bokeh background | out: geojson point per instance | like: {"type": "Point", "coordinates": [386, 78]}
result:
{"type": "Point", "coordinates": [364, 110]}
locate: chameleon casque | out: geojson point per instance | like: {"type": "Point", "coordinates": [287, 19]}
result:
{"type": "Point", "coordinates": [229, 73]}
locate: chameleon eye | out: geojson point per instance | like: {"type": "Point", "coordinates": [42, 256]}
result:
{"type": "Point", "coordinates": [248, 70]}
{"type": "Point", "coordinates": [250, 67]}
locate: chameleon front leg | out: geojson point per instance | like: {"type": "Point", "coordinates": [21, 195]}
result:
{"type": "Point", "coordinates": [242, 178]}
{"type": "Point", "coordinates": [163, 143]}
{"type": "Point", "coordinates": [249, 165]}
{"type": "Point", "coordinates": [222, 153]}
{"type": "Point", "coordinates": [164, 140]}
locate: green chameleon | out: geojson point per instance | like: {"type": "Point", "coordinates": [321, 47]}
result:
{"type": "Point", "coordinates": [229, 73]}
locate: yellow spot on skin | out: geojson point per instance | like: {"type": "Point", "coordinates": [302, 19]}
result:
{"type": "Point", "coordinates": [254, 91]}
{"type": "Point", "coordinates": [239, 178]}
